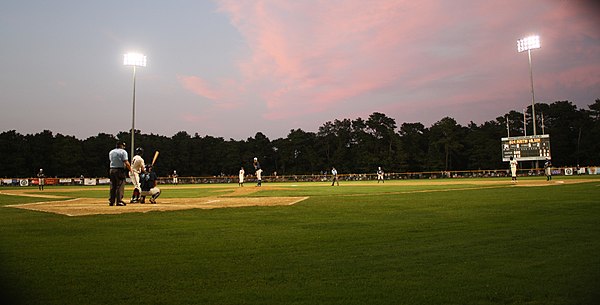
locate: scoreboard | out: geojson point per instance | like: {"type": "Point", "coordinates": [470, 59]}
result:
{"type": "Point", "coordinates": [526, 148]}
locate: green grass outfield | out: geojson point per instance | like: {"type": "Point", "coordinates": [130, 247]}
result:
{"type": "Point", "coordinates": [475, 241]}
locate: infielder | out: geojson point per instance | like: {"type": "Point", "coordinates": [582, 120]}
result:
{"type": "Point", "coordinates": [241, 176]}
{"type": "Point", "coordinates": [380, 175]}
{"type": "Point", "coordinates": [137, 166]}
{"type": "Point", "coordinates": [41, 180]}
{"type": "Point", "coordinates": [513, 169]}
{"type": "Point", "coordinates": [175, 178]}
{"type": "Point", "coordinates": [334, 177]}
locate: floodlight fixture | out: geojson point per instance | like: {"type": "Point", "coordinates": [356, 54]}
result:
{"type": "Point", "coordinates": [528, 43]}
{"type": "Point", "coordinates": [134, 59]}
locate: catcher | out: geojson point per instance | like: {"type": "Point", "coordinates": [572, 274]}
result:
{"type": "Point", "coordinates": [148, 184]}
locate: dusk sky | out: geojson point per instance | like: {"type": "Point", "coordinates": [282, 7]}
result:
{"type": "Point", "coordinates": [231, 68]}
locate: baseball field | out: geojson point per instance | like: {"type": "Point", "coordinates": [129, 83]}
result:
{"type": "Point", "coordinates": [444, 241]}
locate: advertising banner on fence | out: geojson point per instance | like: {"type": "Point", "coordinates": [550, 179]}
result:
{"type": "Point", "coordinates": [568, 171]}
{"type": "Point", "coordinates": [593, 170]}
{"type": "Point", "coordinates": [47, 181]}
{"type": "Point", "coordinates": [89, 181]}
{"type": "Point", "coordinates": [104, 181]}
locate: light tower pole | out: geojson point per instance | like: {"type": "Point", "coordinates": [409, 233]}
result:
{"type": "Point", "coordinates": [134, 60]}
{"type": "Point", "coordinates": [527, 44]}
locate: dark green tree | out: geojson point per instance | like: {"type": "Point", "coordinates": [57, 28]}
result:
{"type": "Point", "coordinates": [298, 153]}
{"type": "Point", "coordinates": [588, 144]}
{"type": "Point", "coordinates": [95, 153]}
{"type": "Point", "coordinates": [482, 144]}
{"type": "Point", "coordinates": [13, 153]}
{"type": "Point", "coordinates": [67, 156]}
{"type": "Point", "coordinates": [414, 139]}
{"type": "Point", "coordinates": [446, 145]}
{"type": "Point", "coordinates": [352, 146]}
{"type": "Point", "coordinates": [386, 142]}
{"type": "Point", "coordinates": [565, 123]}
{"type": "Point", "coordinates": [40, 154]}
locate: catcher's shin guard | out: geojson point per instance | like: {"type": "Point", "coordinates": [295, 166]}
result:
{"type": "Point", "coordinates": [135, 196]}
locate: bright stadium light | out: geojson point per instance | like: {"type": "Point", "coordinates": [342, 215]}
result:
{"type": "Point", "coordinates": [527, 44]}
{"type": "Point", "coordinates": [134, 60]}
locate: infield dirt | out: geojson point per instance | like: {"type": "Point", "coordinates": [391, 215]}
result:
{"type": "Point", "coordinates": [95, 206]}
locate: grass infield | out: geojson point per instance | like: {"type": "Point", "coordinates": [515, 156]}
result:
{"type": "Point", "coordinates": [462, 241]}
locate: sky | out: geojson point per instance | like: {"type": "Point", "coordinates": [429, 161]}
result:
{"type": "Point", "coordinates": [232, 68]}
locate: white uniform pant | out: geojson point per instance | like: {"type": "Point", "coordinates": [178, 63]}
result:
{"type": "Point", "coordinates": [152, 192]}
{"type": "Point", "coordinates": [135, 180]}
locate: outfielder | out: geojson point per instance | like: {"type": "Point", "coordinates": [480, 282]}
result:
{"type": "Point", "coordinates": [513, 169]}
{"type": "Point", "coordinates": [548, 169]}
{"type": "Point", "coordinates": [137, 167]}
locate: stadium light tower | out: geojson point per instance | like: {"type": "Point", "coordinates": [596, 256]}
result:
{"type": "Point", "coordinates": [134, 60]}
{"type": "Point", "coordinates": [527, 44]}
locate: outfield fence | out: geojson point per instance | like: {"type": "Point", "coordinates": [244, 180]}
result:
{"type": "Point", "coordinates": [558, 171]}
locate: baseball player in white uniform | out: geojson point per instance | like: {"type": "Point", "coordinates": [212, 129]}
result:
{"type": "Point", "coordinates": [380, 175]}
{"type": "Point", "coordinates": [334, 177]}
{"type": "Point", "coordinates": [137, 166]}
{"type": "Point", "coordinates": [41, 180]}
{"type": "Point", "coordinates": [513, 169]}
{"type": "Point", "coordinates": [175, 177]}
{"type": "Point", "coordinates": [258, 171]}
{"type": "Point", "coordinates": [241, 176]}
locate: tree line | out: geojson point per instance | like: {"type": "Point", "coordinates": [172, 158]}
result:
{"type": "Point", "coordinates": [351, 145]}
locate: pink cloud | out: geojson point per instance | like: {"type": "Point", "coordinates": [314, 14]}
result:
{"type": "Point", "coordinates": [312, 56]}
{"type": "Point", "coordinates": [579, 78]}
{"type": "Point", "coordinates": [313, 64]}
{"type": "Point", "coordinates": [220, 94]}
{"type": "Point", "coordinates": [199, 87]}
{"type": "Point", "coordinates": [191, 118]}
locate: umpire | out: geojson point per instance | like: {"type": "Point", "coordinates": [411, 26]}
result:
{"type": "Point", "coordinates": [119, 166]}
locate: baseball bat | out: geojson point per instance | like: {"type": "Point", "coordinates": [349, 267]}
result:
{"type": "Point", "coordinates": [155, 156]}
